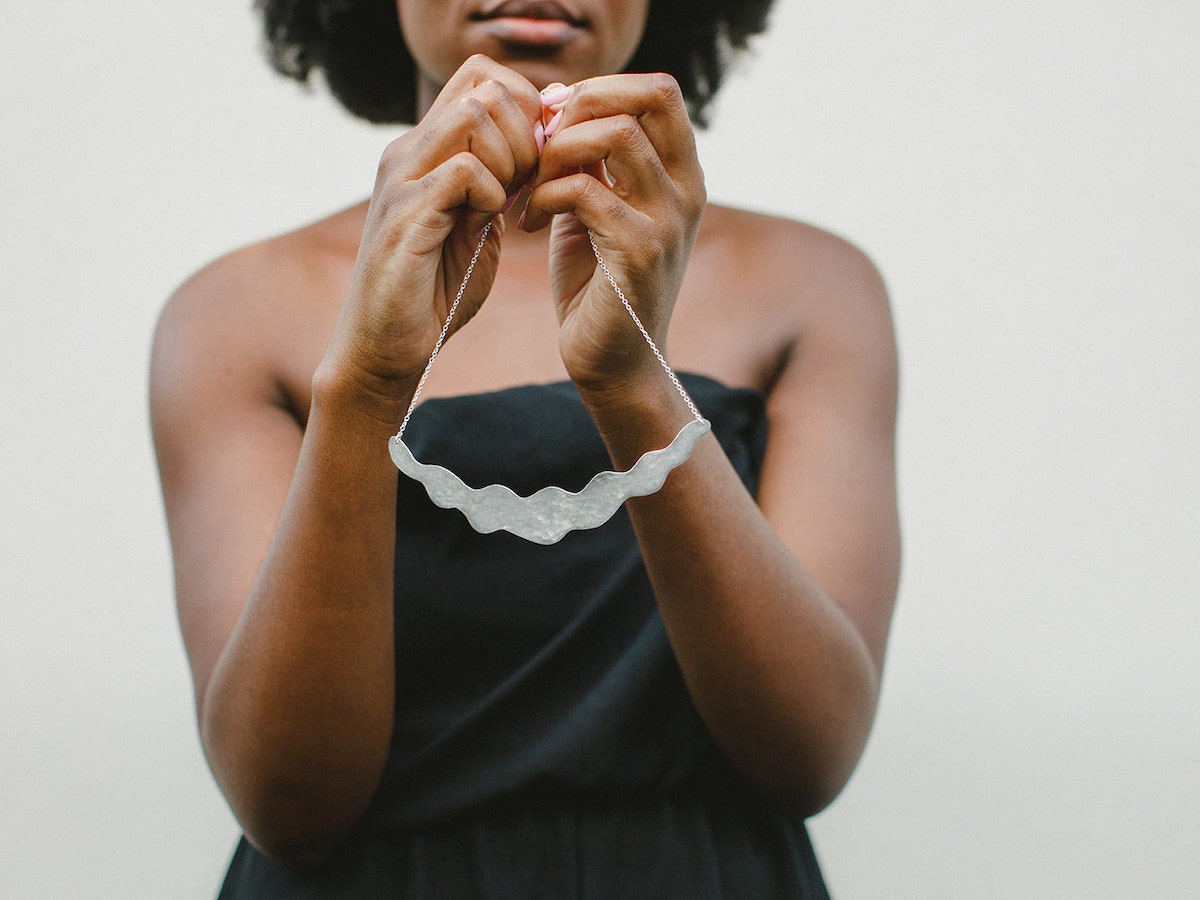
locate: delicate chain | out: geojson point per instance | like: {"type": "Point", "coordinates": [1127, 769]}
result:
{"type": "Point", "coordinates": [642, 328]}
{"type": "Point", "coordinates": [462, 289]}
{"type": "Point", "coordinates": [607, 274]}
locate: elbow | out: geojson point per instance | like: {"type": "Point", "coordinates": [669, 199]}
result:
{"type": "Point", "coordinates": [802, 791]}
{"type": "Point", "coordinates": [296, 800]}
{"type": "Point", "coordinates": [294, 811]}
{"type": "Point", "coordinates": [295, 826]}
{"type": "Point", "coordinates": [804, 801]}
{"type": "Point", "coordinates": [805, 767]}
{"type": "Point", "coordinates": [302, 853]}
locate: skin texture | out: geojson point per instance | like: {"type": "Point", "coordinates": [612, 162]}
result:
{"type": "Point", "coordinates": [442, 34]}
{"type": "Point", "coordinates": [280, 371]}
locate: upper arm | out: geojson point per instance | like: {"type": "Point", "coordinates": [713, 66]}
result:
{"type": "Point", "coordinates": [828, 483]}
{"type": "Point", "coordinates": [226, 449]}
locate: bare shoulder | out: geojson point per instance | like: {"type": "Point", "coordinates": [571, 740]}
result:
{"type": "Point", "coordinates": [284, 276]}
{"type": "Point", "coordinates": [807, 268]}
{"type": "Point", "coordinates": [243, 322]}
{"type": "Point", "coordinates": [803, 298]}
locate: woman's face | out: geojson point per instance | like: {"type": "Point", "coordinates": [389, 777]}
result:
{"type": "Point", "coordinates": [544, 40]}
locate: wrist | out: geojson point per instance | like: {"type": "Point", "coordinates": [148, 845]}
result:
{"type": "Point", "coordinates": [346, 391]}
{"type": "Point", "coordinates": [636, 415]}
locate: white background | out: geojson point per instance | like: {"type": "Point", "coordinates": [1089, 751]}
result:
{"type": "Point", "coordinates": [1027, 176]}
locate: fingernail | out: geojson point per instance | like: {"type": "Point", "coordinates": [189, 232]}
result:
{"type": "Point", "coordinates": [539, 135]}
{"type": "Point", "coordinates": [552, 125]}
{"type": "Point", "coordinates": [521, 222]}
{"type": "Point", "coordinates": [510, 200]}
{"type": "Point", "coordinates": [554, 94]}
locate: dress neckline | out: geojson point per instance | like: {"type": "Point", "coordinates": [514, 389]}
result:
{"type": "Point", "coordinates": [565, 384]}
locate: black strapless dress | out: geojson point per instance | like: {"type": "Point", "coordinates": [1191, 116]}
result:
{"type": "Point", "coordinates": [545, 745]}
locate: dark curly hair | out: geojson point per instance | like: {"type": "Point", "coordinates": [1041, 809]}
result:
{"type": "Point", "coordinates": [358, 45]}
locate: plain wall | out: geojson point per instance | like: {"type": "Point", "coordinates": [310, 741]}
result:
{"type": "Point", "coordinates": [1026, 175]}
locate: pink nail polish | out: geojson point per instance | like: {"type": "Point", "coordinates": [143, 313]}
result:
{"type": "Point", "coordinates": [552, 125]}
{"type": "Point", "coordinates": [510, 200]}
{"type": "Point", "coordinates": [554, 94]}
{"type": "Point", "coordinates": [539, 135]}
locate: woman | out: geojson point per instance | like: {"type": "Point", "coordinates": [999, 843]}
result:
{"type": "Point", "coordinates": [396, 705]}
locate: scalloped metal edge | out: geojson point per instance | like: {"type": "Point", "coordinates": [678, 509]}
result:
{"type": "Point", "coordinates": [546, 516]}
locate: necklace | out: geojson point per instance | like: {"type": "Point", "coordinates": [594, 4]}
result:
{"type": "Point", "coordinates": [547, 515]}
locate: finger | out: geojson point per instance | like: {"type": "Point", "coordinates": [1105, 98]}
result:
{"type": "Point", "coordinates": [596, 206]}
{"type": "Point", "coordinates": [656, 101]}
{"type": "Point", "coordinates": [461, 192]}
{"type": "Point", "coordinates": [486, 121]}
{"type": "Point", "coordinates": [621, 145]}
{"type": "Point", "coordinates": [478, 70]}
{"type": "Point", "coordinates": [513, 121]}
{"type": "Point", "coordinates": [471, 187]}
{"type": "Point", "coordinates": [513, 100]}
{"type": "Point", "coordinates": [506, 149]}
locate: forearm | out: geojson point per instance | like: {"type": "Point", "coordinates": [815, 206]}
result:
{"type": "Point", "coordinates": [781, 677]}
{"type": "Point", "coordinates": [297, 716]}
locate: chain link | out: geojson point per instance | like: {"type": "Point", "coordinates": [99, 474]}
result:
{"type": "Point", "coordinates": [462, 289]}
{"type": "Point", "coordinates": [662, 361]}
{"type": "Point", "coordinates": [620, 294]}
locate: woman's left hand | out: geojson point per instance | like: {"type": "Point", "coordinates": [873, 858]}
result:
{"type": "Point", "coordinates": [644, 216]}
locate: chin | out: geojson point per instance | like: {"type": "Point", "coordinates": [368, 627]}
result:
{"type": "Point", "coordinates": [542, 66]}
{"type": "Point", "coordinates": [542, 72]}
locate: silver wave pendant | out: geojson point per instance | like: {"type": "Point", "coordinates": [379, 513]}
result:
{"type": "Point", "coordinates": [547, 515]}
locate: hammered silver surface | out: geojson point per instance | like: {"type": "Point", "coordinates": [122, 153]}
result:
{"type": "Point", "coordinates": [546, 516]}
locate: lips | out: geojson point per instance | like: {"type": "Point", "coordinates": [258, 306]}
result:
{"type": "Point", "coordinates": [545, 10]}
{"type": "Point", "coordinates": [537, 27]}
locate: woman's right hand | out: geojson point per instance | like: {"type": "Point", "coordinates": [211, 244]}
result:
{"type": "Point", "coordinates": [438, 185]}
